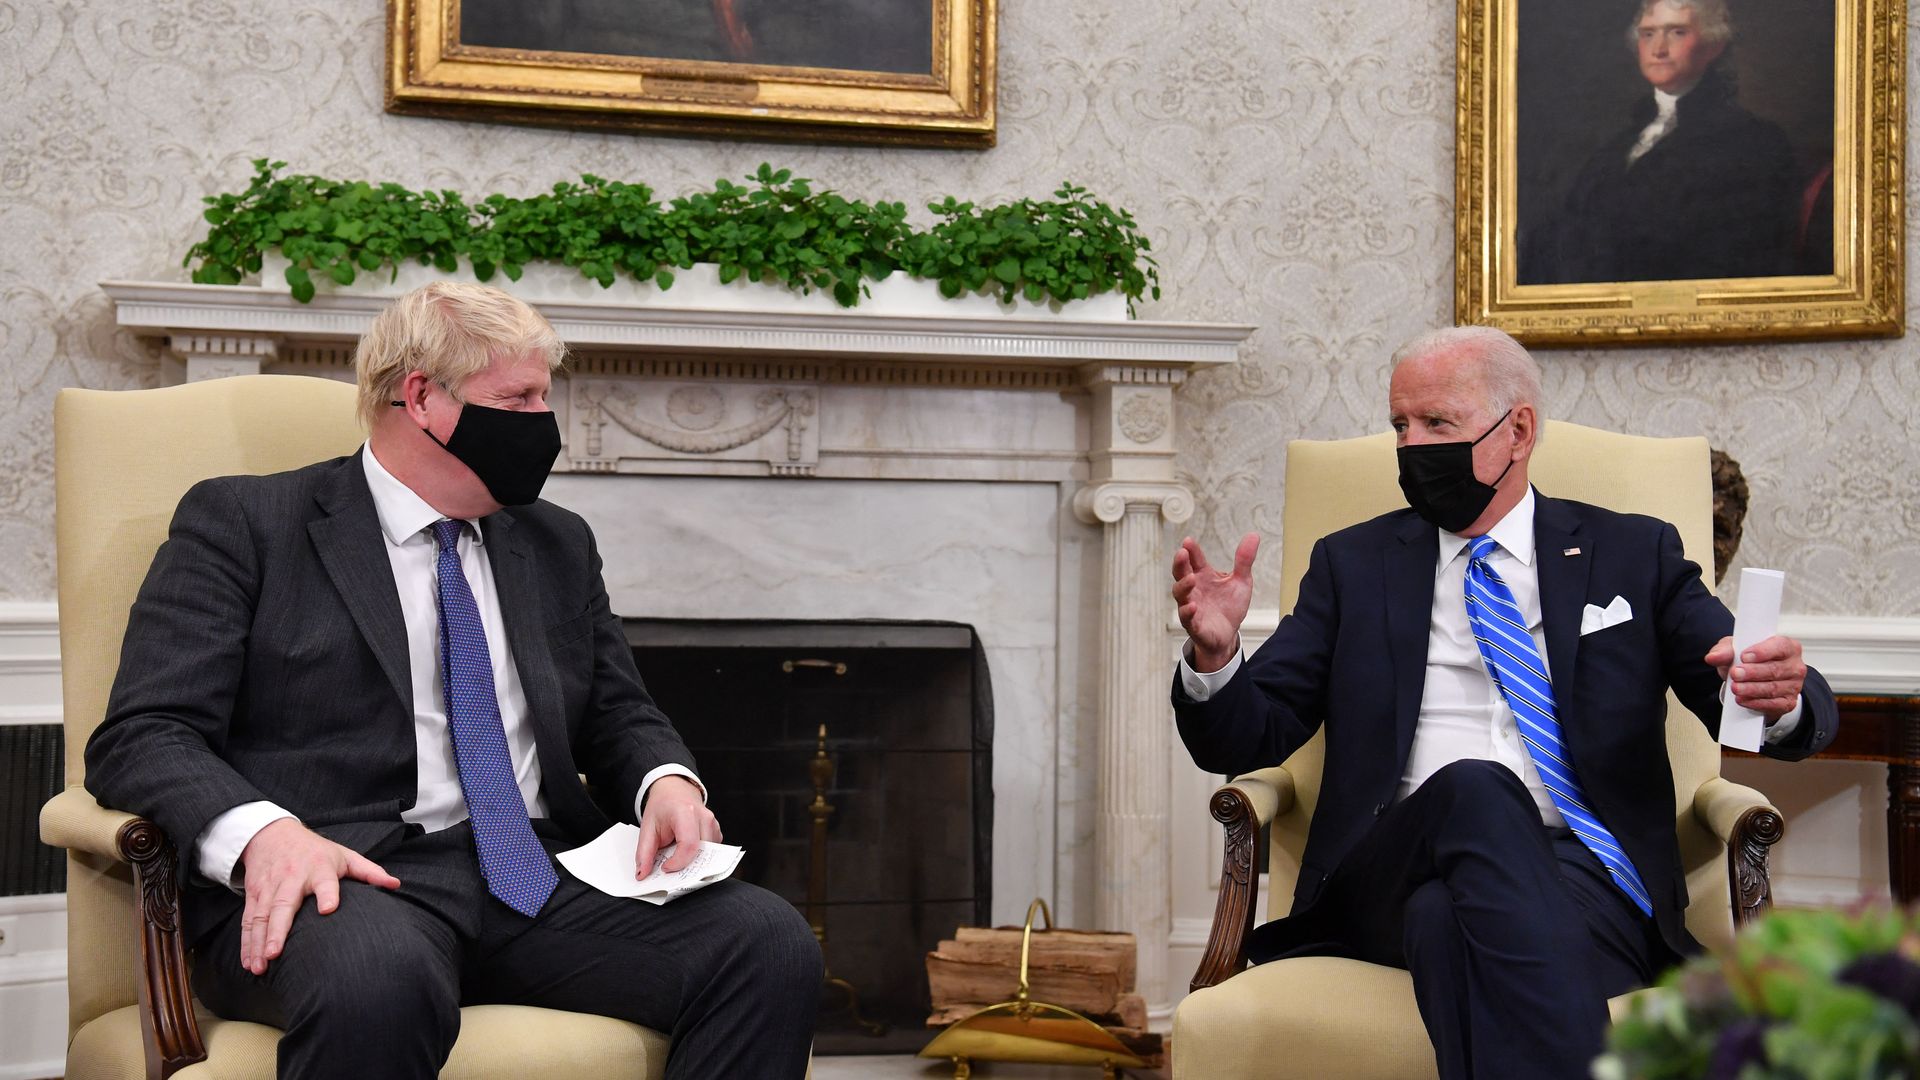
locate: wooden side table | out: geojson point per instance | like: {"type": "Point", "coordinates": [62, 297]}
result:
{"type": "Point", "coordinates": [1886, 729]}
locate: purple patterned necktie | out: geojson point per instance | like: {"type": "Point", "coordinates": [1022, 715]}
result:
{"type": "Point", "coordinates": [516, 867]}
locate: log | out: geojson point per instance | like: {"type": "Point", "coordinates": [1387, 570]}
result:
{"type": "Point", "coordinates": [1129, 1016]}
{"type": "Point", "coordinates": [1083, 971]}
{"type": "Point", "coordinates": [1051, 947]}
{"type": "Point", "coordinates": [960, 981]}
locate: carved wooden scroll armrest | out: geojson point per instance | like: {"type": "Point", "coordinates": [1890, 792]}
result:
{"type": "Point", "coordinates": [1744, 821]}
{"type": "Point", "coordinates": [1244, 807]}
{"type": "Point", "coordinates": [74, 820]}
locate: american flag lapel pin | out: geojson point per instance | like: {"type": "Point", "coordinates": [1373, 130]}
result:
{"type": "Point", "coordinates": [1571, 551]}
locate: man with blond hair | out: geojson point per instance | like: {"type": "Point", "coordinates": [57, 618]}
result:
{"type": "Point", "coordinates": [360, 696]}
{"type": "Point", "coordinates": [1496, 812]}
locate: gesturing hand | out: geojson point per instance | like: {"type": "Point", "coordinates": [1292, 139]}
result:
{"type": "Point", "coordinates": [1213, 604]}
{"type": "Point", "coordinates": [675, 814]}
{"type": "Point", "coordinates": [1768, 677]}
{"type": "Point", "coordinates": [286, 863]}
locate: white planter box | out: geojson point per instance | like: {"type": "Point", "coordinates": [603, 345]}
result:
{"type": "Point", "coordinates": [700, 289]}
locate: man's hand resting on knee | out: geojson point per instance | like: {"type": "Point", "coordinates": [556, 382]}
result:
{"type": "Point", "coordinates": [285, 863]}
{"type": "Point", "coordinates": [675, 813]}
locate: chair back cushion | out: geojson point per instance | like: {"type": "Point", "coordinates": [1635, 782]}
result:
{"type": "Point", "coordinates": [122, 459]}
{"type": "Point", "coordinates": [1331, 485]}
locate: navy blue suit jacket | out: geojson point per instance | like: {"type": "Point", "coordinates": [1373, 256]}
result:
{"type": "Point", "coordinates": [1352, 656]}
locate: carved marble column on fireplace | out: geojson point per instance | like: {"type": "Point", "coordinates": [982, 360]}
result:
{"type": "Point", "coordinates": [1134, 495]}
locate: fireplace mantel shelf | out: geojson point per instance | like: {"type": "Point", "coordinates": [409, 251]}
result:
{"type": "Point", "coordinates": [167, 308]}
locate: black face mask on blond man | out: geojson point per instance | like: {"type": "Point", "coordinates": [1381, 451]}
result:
{"type": "Point", "coordinates": [511, 452]}
{"type": "Point", "coordinates": [1438, 481]}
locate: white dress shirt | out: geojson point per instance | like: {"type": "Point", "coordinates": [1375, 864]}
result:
{"type": "Point", "coordinates": [1665, 115]}
{"type": "Point", "coordinates": [1463, 714]}
{"type": "Point", "coordinates": [406, 522]}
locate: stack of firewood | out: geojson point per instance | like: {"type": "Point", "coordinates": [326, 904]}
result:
{"type": "Point", "coordinates": [1090, 973]}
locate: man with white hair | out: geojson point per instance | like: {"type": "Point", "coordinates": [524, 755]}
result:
{"type": "Point", "coordinates": [1694, 186]}
{"type": "Point", "coordinates": [1496, 812]}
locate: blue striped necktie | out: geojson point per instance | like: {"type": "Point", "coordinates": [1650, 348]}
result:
{"type": "Point", "coordinates": [516, 867]}
{"type": "Point", "coordinates": [1514, 662]}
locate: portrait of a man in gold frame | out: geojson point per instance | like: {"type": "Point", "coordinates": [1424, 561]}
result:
{"type": "Point", "coordinates": [1662, 171]}
{"type": "Point", "coordinates": [916, 72]}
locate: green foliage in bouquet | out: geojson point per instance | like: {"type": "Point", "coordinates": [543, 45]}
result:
{"type": "Point", "coordinates": [1804, 995]}
{"type": "Point", "coordinates": [778, 228]}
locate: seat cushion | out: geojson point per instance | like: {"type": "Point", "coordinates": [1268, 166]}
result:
{"type": "Point", "coordinates": [497, 1042]}
{"type": "Point", "coordinates": [1319, 1015]}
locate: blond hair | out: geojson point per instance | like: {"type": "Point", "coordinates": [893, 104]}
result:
{"type": "Point", "coordinates": [449, 331]}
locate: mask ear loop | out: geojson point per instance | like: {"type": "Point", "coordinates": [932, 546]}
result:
{"type": "Point", "coordinates": [1483, 438]}
{"type": "Point", "coordinates": [436, 441]}
{"type": "Point", "coordinates": [1491, 430]}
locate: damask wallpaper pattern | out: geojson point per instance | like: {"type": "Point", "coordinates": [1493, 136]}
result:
{"type": "Point", "coordinates": [1292, 162]}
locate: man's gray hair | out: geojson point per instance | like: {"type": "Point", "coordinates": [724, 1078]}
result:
{"type": "Point", "coordinates": [1711, 16]}
{"type": "Point", "coordinates": [1508, 371]}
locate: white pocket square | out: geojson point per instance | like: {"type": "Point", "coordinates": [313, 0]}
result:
{"type": "Point", "coordinates": [1599, 618]}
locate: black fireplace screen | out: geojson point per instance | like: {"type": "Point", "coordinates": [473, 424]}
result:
{"type": "Point", "coordinates": [909, 735]}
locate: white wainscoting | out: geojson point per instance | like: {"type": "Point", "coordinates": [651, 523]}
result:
{"type": "Point", "coordinates": [33, 955]}
{"type": "Point", "coordinates": [29, 663]}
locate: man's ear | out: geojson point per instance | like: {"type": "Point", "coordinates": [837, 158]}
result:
{"type": "Point", "coordinates": [412, 395]}
{"type": "Point", "coordinates": [1526, 431]}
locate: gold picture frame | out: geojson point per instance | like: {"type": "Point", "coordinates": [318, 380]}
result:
{"type": "Point", "coordinates": [824, 71]}
{"type": "Point", "coordinates": [1572, 265]}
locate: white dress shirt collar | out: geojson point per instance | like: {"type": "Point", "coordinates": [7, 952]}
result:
{"type": "Point", "coordinates": [1514, 534]}
{"type": "Point", "coordinates": [403, 513]}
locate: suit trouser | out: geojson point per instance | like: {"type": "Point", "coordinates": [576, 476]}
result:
{"type": "Point", "coordinates": [1513, 932]}
{"type": "Point", "coordinates": [374, 990]}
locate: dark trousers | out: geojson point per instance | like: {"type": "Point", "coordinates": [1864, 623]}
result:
{"type": "Point", "coordinates": [732, 973]}
{"type": "Point", "coordinates": [1513, 932]}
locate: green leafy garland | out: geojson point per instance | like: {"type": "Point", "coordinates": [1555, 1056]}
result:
{"type": "Point", "coordinates": [778, 229]}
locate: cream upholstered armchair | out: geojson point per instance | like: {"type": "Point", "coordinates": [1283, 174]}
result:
{"type": "Point", "coordinates": [1325, 1016]}
{"type": "Point", "coordinates": [121, 462]}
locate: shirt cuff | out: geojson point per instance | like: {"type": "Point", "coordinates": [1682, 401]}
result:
{"type": "Point", "coordinates": [225, 837]}
{"type": "Point", "coordinates": [1201, 685]}
{"type": "Point", "coordinates": [1782, 729]}
{"type": "Point", "coordinates": [646, 783]}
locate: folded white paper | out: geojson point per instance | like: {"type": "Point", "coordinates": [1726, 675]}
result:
{"type": "Point", "coordinates": [607, 864]}
{"type": "Point", "coordinates": [1756, 619]}
{"type": "Point", "coordinates": [1593, 617]}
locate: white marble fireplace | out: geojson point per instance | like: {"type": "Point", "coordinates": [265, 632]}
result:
{"type": "Point", "coordinates": [1014, 475]}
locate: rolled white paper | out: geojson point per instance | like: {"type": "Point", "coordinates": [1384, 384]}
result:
{"type": "Point", "coordinates": [1756, 619]}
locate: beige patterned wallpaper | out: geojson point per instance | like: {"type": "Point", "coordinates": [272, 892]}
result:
{"type": "Point", "coordinates": [1292, 162]}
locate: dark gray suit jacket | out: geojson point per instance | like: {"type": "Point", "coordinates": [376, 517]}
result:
{"type": "Point", "coordinates": [266, 658]}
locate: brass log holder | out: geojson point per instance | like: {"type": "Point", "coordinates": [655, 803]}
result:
{"type": "Point", "coordinates": [821, 770]}
{"type": "Point", "coordinates": [1031, 1031]}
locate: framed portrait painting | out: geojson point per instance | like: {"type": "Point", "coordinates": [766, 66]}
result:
{"type": "Point", "coordinates": [889, 71]}
{"type": "Point", "coordinates": [1641, 171]}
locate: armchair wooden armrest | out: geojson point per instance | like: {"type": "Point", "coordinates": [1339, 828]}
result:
{"type": "Point", "coordinates": [1244, 806]}
{"type": "Point", "coordinates": [1749, 825]}
{"type": "Point", "coordinates": [74, 820]}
